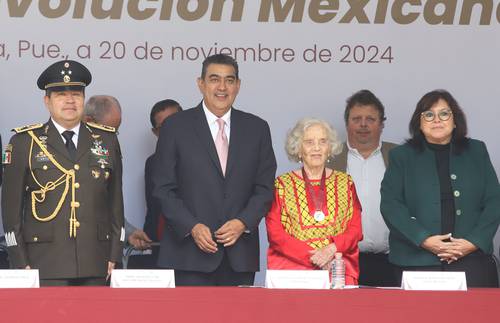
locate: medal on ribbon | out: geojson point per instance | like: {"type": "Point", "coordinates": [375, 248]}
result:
{"type": "Point", "coordinates": [317, 198]}
{"type": "Point", "coordinates": [100, 153]}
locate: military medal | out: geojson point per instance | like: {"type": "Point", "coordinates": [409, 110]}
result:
{"type": "Point", "coordinates": [43, 140]}
{"type": "Point", "coordinates": [41, 157]}
{"type": "Point", "coordinates": [106, 174]}
{"type": "Point", "coordinates": [100, 152]}
{"type": "Point", "coordinates": [317, 199]}
{"type": "Point", "coordinates": [96, 174]}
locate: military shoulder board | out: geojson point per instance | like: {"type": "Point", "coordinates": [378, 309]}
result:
{"type": "Point", "coordinates": [101, 126]}
{"type": "Point", "coordinates": [27, 128]}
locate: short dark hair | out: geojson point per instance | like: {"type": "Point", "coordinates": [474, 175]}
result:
{"type": "Point", "coordinates": [364, 97]}
{"type": "Point", "coordinates": [219, 59]}
{"type": "Point", "coordinates": [161, 106]}
{"type": "Point", "coordinates": [459, 134]}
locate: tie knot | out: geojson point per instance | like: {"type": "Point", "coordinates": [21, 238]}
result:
{"type": "Point", "coordinates": [221, 123]}
{"type": "Point", "coordinates": [68, 135]}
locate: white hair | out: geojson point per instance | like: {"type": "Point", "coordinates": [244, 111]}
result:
{"type": "Point", "coordinates": [295, 137]}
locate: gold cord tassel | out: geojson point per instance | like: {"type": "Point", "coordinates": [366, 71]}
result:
{"type": "Point", "coordinates": [38, 196]}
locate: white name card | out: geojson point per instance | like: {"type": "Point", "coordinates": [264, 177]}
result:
{"type": "Point", "coordinates": [19, 278]}
{"type": "Point", "coordinates": [142, 278]}
{"type": "Point", "coordinates": [434, 280]}
{"type": "Point", "coordinates": [298, 279]}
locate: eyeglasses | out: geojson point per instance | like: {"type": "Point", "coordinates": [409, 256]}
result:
{"type": "Point", "coordinates": [443, 115]}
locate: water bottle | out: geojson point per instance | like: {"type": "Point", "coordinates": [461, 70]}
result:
{"type": "Point", "coordinates": [338, 272]}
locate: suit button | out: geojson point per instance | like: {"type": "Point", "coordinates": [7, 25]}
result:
{"type": "Point", "coordinates": [76, 167]}
{"type": "Point", "coordinates": [453, 176]}
{"type": "Point", "coordinates": [35, 239]}
{"type": "Point", "coordinates": [45, 167]}
{"type": "Point", "coordinates": [456, 193]}
{"type": "Point", "coordinates": [77, 185]}
{"type": "Point", "coordinates": [459, 212]}
{"type": "Point", "coordinates": [107, 237]}
{"type": "Point", "coordinates": [77, 224]}
{"type": "Point", "coordinates": [75, 204]}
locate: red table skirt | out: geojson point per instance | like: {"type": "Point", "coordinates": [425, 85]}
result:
{"type": "Point", "coordinates": [232, 304]}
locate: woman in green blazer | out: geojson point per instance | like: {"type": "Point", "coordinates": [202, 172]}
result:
{"type": "Point", "coordinates": [440, 196]}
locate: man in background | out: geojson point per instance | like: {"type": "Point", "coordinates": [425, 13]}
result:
{"type": "Point", "coordinates": [154, 223]}
{"type": "Point", "coordinates": [106, 110]}
{"type": "Point", "coordinates": [364, 156]}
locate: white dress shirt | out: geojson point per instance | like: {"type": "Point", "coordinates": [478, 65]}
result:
{"type": "Point", "coordinates": [212, 122]}
{"type": "Point", "coordinates": [61, 129]}
{"type": "Point", "coordinates": [367, 175]}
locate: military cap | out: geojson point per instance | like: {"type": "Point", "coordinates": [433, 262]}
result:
{"type": "Point", "coordinates": [64, 75]}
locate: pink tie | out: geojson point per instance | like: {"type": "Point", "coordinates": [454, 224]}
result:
{"type": "Point", "coordinates": [222, 145]}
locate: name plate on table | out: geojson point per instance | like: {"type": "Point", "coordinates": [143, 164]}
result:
{"type": "Point", "coordinates": [142, 278]}
{"type": "Point", "coordinates": [434, 280]}
{"type": "Point", "coordinates": [298, 279]}
{"type": "Point", "coordinates": [19, 278]}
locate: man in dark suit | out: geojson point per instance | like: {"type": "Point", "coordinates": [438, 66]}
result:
{"type": "Point", "coordinates": [364, 156]}
{"type": "Point", "coordinates": [214, 177]}
{"type": "Point", "coordinates": [62, 203]}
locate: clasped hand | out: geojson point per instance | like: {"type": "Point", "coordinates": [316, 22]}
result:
{"type": "Point", "coordinates": [447, 248]}
{"type": "Point", "coordinates": [323, 257]}
{"type": "Point", "coordinates": [227, 235]}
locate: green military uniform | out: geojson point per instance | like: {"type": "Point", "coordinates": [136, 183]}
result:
{"type": "Point", "coordinates": [62, 206]}
{"type": "Point", "coordinates": [63, 216]}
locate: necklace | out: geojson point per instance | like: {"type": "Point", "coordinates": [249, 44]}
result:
{"type": "Point", "coordinates": [317, 198]}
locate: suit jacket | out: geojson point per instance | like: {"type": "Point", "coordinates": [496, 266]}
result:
{"type": "Point", "coordinates": [48, 246]}
{"type": "Point", "coordinates": [339, 162]}
{"type": "Point", "coordinates": [189, 182]}
{"type": "Point", "coordinates": [153, 205]}
{"type": "Point", "coordinates": [411, 201]}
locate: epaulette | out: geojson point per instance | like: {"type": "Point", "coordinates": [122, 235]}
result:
{"type": "Point", "coordinates": [102, 127]}
{"type": "Point", "coordinates": [27, 128]}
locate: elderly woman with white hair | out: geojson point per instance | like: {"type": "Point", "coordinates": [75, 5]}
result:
{"type": "Point", "coordinates": [316, 211]}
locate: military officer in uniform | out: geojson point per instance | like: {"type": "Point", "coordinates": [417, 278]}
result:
{"type": "Point", "coordinates": [62, 203]}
